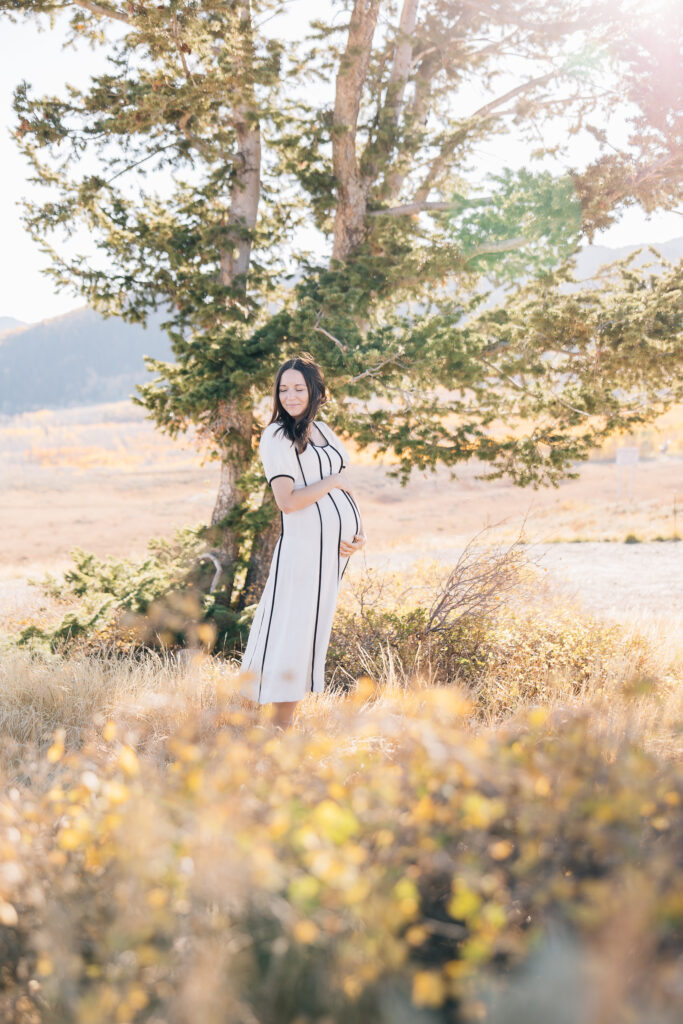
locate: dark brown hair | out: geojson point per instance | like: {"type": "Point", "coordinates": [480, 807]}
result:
{"type": "Point", "coordinates": [300, 431]}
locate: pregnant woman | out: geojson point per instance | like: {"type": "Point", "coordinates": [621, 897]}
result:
{"type": "Point", "coordinates": [304, 462]}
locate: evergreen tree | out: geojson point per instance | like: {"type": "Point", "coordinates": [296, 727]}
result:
{"type": "Point", "coordinates": [442, 309]}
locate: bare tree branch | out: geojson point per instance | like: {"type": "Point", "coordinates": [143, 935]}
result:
{"type": "Point", "coordinates": [504, 245]}
{"type": "Point", "coordinates": [321, 330]}
{"type": "Point", "coordinates": [179, 47]}
{"type": "Point", "coordinates": [402, 59]}
{"type": "Point", "coordinates": [372, 371]}
{"type": "Point", "coordinates": [471, 55]}
{"type": "Point", "coordinates": [439, 164]}
{"type": "Point", "coordinates": [379, 149]}
{"type": "Point", "coordinates": [407, 209]}
{"type": "Point", "coordinates": [526, 391]}
{"type": "Point", "coordinates": [488, 108]}
{"type": "Point", "coordinates": [101, 11]}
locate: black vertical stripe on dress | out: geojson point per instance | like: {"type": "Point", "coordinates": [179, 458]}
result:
{"type": "Point", "coordinates": [262, 607]}
{"type": "Point", "coordinates": [272, 604]}
{"type": "Point", "coordinates": [353, 508]}
{"type": "Point", "coordinates": [341, 457]}
{"type": "Point", "coordinates": [348, 497]}
{"type": "Point", "coordinates": [336, 507]}
{"type": "Point", "coordinates": [320, 573]}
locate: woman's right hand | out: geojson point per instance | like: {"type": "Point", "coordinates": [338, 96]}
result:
{"type": "Point", "coordinates": [340, 480]}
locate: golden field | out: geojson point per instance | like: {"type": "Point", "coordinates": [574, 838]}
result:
{"type": "Point", "coordinates": [102, 478]}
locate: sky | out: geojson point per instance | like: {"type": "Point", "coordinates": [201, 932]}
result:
{"type": "Point", "coordinates": [27, 294]}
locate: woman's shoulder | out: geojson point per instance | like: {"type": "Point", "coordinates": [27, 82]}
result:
{"type": "Point", "coordinates": [325, 427]}
{"type": "Point", "coordinates": [274, 429]}
{"type": "Point", "coordinates": [274, 434]}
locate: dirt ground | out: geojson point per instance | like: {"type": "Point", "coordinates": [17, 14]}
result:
{"type": "Point", "coordinates": [104, 480]}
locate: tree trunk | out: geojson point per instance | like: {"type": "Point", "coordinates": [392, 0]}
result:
{"type": "Point", "coordinates": [352, 190]}
{"type": "Point", "coordinates": [261, 556]}
{"type": "Point", "coordinates": [237, 422]}
{"type": "Point", "coordinates": [236, 419]}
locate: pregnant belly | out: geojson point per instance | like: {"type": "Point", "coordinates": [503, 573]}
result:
{"type": "Point", "coordinates": [348, 511]}
{"type": "Point", "coordinates": [337, 509]}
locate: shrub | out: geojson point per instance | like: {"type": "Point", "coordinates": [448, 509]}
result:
{"type": "Point", "coordinates": [397, 865]}
{"type": "Point", "coordinates": [161, 602]}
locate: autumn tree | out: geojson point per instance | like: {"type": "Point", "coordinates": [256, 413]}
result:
{"type": "Point", "coordinates": [436, 297]}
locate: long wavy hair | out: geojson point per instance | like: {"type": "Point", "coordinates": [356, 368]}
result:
{"type": "Point", "coordinates": [300, 431]}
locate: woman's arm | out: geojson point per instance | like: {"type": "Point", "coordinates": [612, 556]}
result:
{"type": "Point", "coordinates": [289, 500]}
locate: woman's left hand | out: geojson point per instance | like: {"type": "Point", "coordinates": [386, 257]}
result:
{"type": "Point", "coordinates": [346, 549]}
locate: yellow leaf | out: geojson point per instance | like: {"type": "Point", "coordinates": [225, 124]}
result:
{"type": "Point", "coordinates": [416, 935]}
{"type": "Point", "coordinates": [109, 732]}
{"type": "Point", "coordinates": [447, 700]}
{"type": "Point", "coordinates": [407, 896]}
{"type": "Point", "coordinates": [207, 634]}
{"type": "Point", "coordinates": [334, 822]}
{"type": "Point", "coordinates": [464, 902]}
{"type": "Point", "coordinates": [303, 889]}
{"type": "Point", "coordinates": [157, 898]}
{"type": "Point", "coordinates": [365, 689]}
{"type": "Point", "coordinates": [428, 989]}
{"type": "Point", "coordinates": [336, 791]}
{"type": "Point", "coordinates": [128, 761]}
{"type": "Point", "coordinates": [115, 792]}
{"type": "Point", "coordinates": [305, 931]}
{"type": "Point", "coordinates": [501, 849]}
{"type": "Point", "coordinates": [56, 751]}
{"type": "Point", "coordinates": [193, 780]}
{"type": "Point", "coordinates": [8, 915]}
{"type": "Point", "coordinates": [44, 965]}
{"type": "Point", "coordinates": [537, 716]}
{"type": "Point", "coordinates": [480, 811]}
{"type": "Point", "coordinates": [352, 986]}
{"type": "Point", "coordinates": [70, 838]}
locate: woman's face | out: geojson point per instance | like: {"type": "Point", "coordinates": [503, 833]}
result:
{"type": "Point", "coordinates": [294, 393]}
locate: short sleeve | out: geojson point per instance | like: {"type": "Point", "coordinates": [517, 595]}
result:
{"type": "Point", "coordinates": [336, 443]}
{"type": "Point", "coordinates": [278, 454]}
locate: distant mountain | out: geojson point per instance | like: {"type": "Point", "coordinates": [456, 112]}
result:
{"type": "Point", "coordinates": [82, 358]}
{"type": "Point", "coordinates": [8, 323]}
{"type": "Point", "coordinates": [592, 257]}
{"type": "Point", "coordinates": [79, 358]}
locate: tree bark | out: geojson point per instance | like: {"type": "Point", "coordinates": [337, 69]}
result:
{"type": "Point", "coordinates": [236, 419]}
{"type": "Point", "coordinates": [352, 190]}
{"type": "Point", "coordinates": [261, 555]}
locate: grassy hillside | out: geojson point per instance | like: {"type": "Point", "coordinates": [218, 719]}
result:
{"type": "Point", "coordinates": [76, 359]}
{"type": "Point", "coordinates": [82, 359]}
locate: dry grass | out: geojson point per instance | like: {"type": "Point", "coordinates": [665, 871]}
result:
{"type": "Point", "coordinates": [536, 649]}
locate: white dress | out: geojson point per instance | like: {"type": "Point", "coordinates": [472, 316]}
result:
{"type": "Point", "coordinates": [285, 654]}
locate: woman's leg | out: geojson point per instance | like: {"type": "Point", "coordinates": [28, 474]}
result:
{"type": "Point", "coordinates": [284, 713]}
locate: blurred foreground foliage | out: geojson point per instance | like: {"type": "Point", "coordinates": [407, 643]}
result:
{"type": "Point", "coordinates": [480, 820]}
{"type": "Point", "coordinates": [396, 865]}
